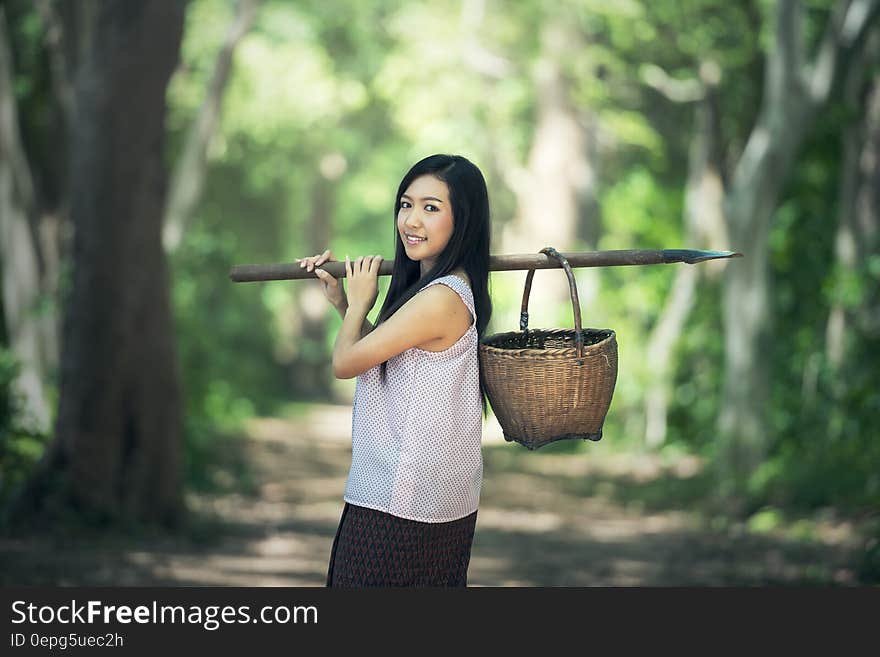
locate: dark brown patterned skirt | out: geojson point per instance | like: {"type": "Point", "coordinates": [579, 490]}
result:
{"type": "Point", "coordinates": [373, 548]}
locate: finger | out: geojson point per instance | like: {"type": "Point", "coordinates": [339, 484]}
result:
{"type": "Point", "coordinates": [360, 262]}
{"type": "Point", "coordinates": [323, 257]}
{"type": "Point", "coordinates": [349, 271]}
{"type": "Point", "coordinates": [377, 263]}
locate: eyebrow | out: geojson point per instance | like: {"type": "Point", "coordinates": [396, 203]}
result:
{"type": "Point", "coordinates": [424, 198]}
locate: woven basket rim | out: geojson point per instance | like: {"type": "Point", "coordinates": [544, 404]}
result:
{"type": "Point", "coordinates": [521, 355]}
{"type": "Point", "coordinates": [547, 351]}
{"type": "Point", "coordinates": [585, 329]}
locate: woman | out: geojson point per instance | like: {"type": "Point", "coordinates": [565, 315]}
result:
{"type": "Point", "coordinates": [413, 489]}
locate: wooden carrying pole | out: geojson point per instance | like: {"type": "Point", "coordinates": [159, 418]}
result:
{"type": "Point", "coordinates": [516, 261]}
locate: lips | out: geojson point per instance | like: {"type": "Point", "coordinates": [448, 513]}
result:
{"type": "Point", "coordinates": [415, 239]}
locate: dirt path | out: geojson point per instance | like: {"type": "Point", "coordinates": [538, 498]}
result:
{"type": "Point", "coordinates": [547, 518]}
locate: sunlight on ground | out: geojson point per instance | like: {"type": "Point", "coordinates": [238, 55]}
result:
{"type": "Point", "coordinates": [545, 519]}
{"type": "Point", "coordinates": [530, 522]}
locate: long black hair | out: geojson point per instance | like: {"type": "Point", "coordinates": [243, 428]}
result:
{"type": "Point", "coordinates": [468, 247]}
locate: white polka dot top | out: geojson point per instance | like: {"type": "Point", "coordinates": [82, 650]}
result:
{"type": "Point", "coordinates": [416, 440]}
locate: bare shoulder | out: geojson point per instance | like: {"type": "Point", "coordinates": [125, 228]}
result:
{"type": "Point", "coordinates": [435, 303]}
{"type": "Point", "coordinates": [449, 312]}
{"type": "Point", "coordinates": [441, 298]}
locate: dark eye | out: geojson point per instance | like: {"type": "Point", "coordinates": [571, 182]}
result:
{"type": "Point", "coordinates": [435, 208]}
{"type": "Point", "coordinates": [404, 204]}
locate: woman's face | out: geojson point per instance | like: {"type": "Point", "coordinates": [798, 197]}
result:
{"type": "Point", "coordinates": [425, 212]}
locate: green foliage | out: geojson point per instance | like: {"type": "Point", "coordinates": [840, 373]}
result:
{"type": "Point", "coordinates": [694, 405]}
{"type": "Point", "coordinates": [637, 213]}
{"type": "Point", "coordinates": [329, 103]}
{"type": "Point", "coordinates": [20, 446]}
{"type": "Point", "coordinates": [825, 450]}
{"type": "Point", "coordinates": [225, 342]}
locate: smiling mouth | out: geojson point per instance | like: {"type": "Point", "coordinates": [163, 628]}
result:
{"type": "Point", "coordinates": [411, 240]}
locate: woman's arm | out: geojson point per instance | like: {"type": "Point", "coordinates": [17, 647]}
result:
{"type": "Point", "coordinates": [431, 314]}
{"type": "Point", "coordinates": [365, 328]}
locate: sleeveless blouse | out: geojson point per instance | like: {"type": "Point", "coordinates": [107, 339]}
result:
{"type": "Point", "coordinates": [416, 440]}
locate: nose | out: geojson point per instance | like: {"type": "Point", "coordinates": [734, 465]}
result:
{"type": "Point", "coordinates": [412, 221]}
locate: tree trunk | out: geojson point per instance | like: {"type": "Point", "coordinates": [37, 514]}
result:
{"type": "Point", "coordinates": [793, 93]}
{"type": "Point", "coordinates": [309, 375]}
{"type": "Point", "coordinates": [20, 257]}
{"type": "Point", "coordinates": [749, 207]}
{"type": "Point", "coordinates": [550, 190]}
{"type": "Point", "coordinates": [118, 441]}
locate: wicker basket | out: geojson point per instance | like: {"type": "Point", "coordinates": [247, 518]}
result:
{"type": "Point", "coordinates": [549, 385]}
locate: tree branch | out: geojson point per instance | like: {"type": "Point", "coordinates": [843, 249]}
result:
{"type": "Point", "coordinates": [10, 138]}
{"type": "Point", "coordinates": [785, 60]}
{"type": "Point", "coordinates": [54, 38]}
{"type": "Point", "coordinates": [678, 91]}
{"type": "Point", "coordinates": [189, 173]}
{"type": "Point", "coordinates": [847, 28]}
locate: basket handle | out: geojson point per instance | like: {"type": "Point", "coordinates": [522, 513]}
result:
{"type": "Point", "coordinates": [524, 310]}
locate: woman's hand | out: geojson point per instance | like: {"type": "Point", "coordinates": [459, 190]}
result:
{"type": "Point", "coordinates": [363, 281]}
{"type": "Point", "coordinates": [330, 286]}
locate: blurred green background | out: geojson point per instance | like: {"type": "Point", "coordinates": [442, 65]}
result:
{"type": "Point", "coordinates": [598, 125]}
